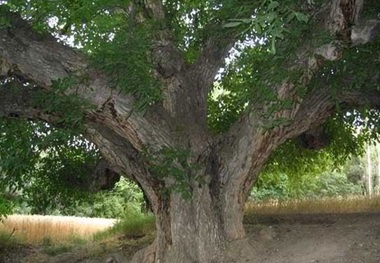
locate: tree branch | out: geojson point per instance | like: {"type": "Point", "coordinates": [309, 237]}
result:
{"type": "Point", "coordinates": [102, 177]}
{"type": "Point", "coordinates": [125, 159]}
{"type": "Point", "coordinates": [152, 9]}
{"type": "Point", "coordinates": [250, 141]}
{"type": "Point", "coordinates": [215, 50]}
{"type": "Point", "coordinates": [41, 60]}
{"type": "Point", "coordinates": [16, 101]}
{"type": "Point", "coordinates": [218, 41]}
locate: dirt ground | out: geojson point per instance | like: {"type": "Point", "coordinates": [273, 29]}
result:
{"type": "Point", "coordinates": [342, 238]}
{"type": "Point", "coordinates": [323, 238]}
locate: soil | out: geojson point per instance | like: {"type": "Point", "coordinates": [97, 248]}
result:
{"type": "Point", "coordinates": [332, 238]}
{"type": "Point", "coordinates": [320, 238]}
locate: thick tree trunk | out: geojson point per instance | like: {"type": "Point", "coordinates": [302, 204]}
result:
{"type": "Point", "coordinates": [195, 230]}
{"type": "Point", "coordinates": [208, 226]}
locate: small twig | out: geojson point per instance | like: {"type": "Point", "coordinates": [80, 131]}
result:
{"type": "Point", "coordinates": [11, 234]}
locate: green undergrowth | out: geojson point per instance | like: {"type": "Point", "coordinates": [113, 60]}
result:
{"type": "Point", "coordinates": [53, 248]}
{"type": "Point", "coordinates": [8, 240]}
{"type": "Point", "coordinates": [132, 225]}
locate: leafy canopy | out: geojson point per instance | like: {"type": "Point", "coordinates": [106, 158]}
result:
{"type": "Point", "coordinates": [44, 164]}
{"type": "Point", "coordinates": [110, 34]}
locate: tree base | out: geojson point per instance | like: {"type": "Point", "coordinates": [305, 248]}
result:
{"type": "Point", "coordinates": [145, 255]}
{"type": "Point", "coordinates": [239, 251]}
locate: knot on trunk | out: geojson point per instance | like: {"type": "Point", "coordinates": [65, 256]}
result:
{"type": "Point", "coordinates": [101, 177]}
{"type": "Point", "coordinates": [315, 139]}
{"type": "Point", "coordinates": [365, 31]}
{"type": "Point", "coordinates": [167, 59]}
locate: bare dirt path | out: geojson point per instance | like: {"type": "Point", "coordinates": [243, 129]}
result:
{"type": "Point", "coordinates": [322, 238]}
{"type": "Point", "coordinates": [341, 238]}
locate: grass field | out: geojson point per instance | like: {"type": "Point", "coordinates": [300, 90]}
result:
{"type": "Point", "coordinates": [315, 206]}
{"type": "Point", "coordinates": [36, 229]}
{"type": "Point", "coordinates": [60, 229]}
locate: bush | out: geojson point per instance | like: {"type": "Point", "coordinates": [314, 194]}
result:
{"type": "Point", "coordinates": [133, 224]}
{"type": "Point", "coordinates": [282, 187]}
{"type": "Point", "coordinates": [112, 204]}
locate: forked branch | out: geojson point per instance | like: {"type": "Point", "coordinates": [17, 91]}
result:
{"type": "Point", "coordinates": [252, 132]}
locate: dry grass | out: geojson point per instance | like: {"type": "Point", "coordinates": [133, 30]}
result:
{"type": "Point", "coordinates": [316, 206]}
{"type": "Point", "coordinates": [60, 229]}
{"type": "Point", "coordinates": [56, 229]}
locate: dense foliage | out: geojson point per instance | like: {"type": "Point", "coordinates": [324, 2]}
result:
{"type": "Point", "coordinates": [124, 199]}
{"type": "Point", "coordinates": [305, 186]}
{"type": "Point", "coordinates": [43, 165]}
{"type": "Point", "coordinates": [35, 156]}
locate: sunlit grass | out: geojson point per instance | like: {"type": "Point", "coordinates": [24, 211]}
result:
{"type": "Point", "coordinates": [316, 206]}
{"type": "Point", "coordinates": [132, 225]}
{"type": "Point", "coordinates": [58, 232]}
{"type": "Point", "coordinates": [52, 229]}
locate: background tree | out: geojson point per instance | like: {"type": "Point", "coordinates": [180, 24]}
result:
{"type": "Point", "coordinates": [138, 85]}
{"type": "Point", "coordinates": [378, 167]}
{"type": "Point", "coordinates": [49, 169]}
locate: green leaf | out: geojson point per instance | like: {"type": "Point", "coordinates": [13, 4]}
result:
{"type": "Point", "coordinates": [273, 46]}
{"type": "Point", "coordinates": [258, 29]}
{"type": "Point", "coordinates": [277, 33]}
{"type": "Point", "coordinates": [272, 5]}
{"type": "Point", "coordinates": [232, 24]}
{"type": "Point", "coordinates": [301, 17]}
{"type": "Point", "coordinates": [290, 17]}
{"type": "Point", "coordinates": [270, 17]}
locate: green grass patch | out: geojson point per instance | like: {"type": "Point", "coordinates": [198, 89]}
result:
{"type": "Point", "coordinates": [132, 225]}
{"type": "Point", "coordinates": [8, 240]}
{"type": "Point", "coordinates": [54, 248]}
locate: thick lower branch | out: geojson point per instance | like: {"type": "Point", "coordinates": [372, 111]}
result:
{"type": "Point", "coordinates": [42, 61]}
{"type": "Point", "coordinates": [16, 101]}
{"type": "Point", "coordinates": [125, 159]}
{"type": "Point", "coordinates": [251, 140]}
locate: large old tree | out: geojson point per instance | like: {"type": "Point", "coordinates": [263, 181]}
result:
{"type": "Point", "coordinates": [138, 77]}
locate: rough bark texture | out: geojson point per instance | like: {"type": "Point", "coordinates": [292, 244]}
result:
{"type": "Point", "coordinates": [208, 227]}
